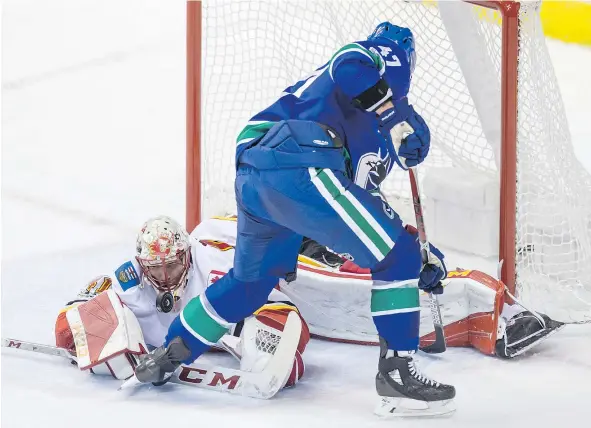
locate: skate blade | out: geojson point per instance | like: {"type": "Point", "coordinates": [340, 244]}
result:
{"type": "Point", "coordinates": [406, 407]}
{"type": "Point", "coordinates": [129, 383]}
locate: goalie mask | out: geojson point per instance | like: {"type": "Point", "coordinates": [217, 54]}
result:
{"type": "Point", "coordinates": [163, 251]}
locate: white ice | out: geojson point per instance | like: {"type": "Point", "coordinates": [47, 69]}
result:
{"type": "Point", "coordinates": [93, 135]}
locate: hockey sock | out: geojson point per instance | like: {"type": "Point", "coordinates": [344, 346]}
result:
{"type": "Point", "coordinates": [395, 309]}
{"type": "Point", "coordinates": [199, 327]}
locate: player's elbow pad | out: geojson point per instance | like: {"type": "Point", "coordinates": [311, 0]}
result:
{"type": "Point", "coordinates": [354, 78]}
{"type": "Point", "coordinates": [373, 97]}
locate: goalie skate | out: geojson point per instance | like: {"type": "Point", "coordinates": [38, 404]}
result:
{"type": "Point", "coordinates": [404, 391]}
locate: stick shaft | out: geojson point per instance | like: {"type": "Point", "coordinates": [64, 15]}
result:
{"type": "Point", "coordinates": [439, 345]}
{"type": "Point", "coordinates": [37, 347]}
{"type": "Point", "coordinates": [418, 207]}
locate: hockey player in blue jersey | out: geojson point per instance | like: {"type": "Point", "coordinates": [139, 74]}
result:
{"type": "Point", "coordinates": [310, 165]}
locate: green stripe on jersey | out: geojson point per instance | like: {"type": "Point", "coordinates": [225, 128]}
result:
{"type": "Point", "coordinates": [395, 300]}
{"type": "Point", "coordinates": [196, 319]}
{"type": "Point", "coordinates": [252, 131]}
{"type": "Point", "coordinates": [344, 200]}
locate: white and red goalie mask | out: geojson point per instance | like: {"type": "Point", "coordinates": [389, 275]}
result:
{"type": "Point", "coordinates": [163, 251]}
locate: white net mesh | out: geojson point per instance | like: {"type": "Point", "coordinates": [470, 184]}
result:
{"type": "Point", "coordinates": [553, 188]}
{"type": "Point", "coordinates": [267, 339]}
{"type": "Point", "coordinates": [253, 49]}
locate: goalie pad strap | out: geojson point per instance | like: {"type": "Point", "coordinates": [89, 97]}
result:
{"type": "Point", "coordinates": [373, 97]}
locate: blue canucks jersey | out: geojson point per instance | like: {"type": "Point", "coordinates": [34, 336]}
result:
{"type": "Point", "coordinates": [326, 96]}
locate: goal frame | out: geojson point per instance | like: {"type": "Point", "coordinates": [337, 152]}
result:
{"type": "Point", "coordinates": [509, 11]}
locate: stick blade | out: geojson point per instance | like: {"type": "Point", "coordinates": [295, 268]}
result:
{"type": "Point", "coordinates": [439, 345]}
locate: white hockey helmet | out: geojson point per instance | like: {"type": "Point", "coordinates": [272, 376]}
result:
{"type": "Point", "coordinates": [163, 250]}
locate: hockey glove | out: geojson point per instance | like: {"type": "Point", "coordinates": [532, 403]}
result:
{"type": "Point", "coordinates": [157, 366]}
{"type": "Point", "coordinates": [408, 132]}
{"type": "Point", "coordinates": [434, 271]}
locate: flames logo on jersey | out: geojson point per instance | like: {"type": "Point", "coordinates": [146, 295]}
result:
{"type": "Point", "coordinates": [372, 169]}
{"type": "Point", "coordinates": [222, 246]}
{"type": "Point", "coordinates": [99, 284]}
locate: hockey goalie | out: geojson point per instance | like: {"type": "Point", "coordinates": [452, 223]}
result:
{"type": "Point", "coordinates": [117, 317]}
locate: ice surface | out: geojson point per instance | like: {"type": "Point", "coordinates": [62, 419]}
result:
{"type": "Point", "coordinates": [93, 143]}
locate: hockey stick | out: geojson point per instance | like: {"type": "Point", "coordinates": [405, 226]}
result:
{"type": "Point", "coordinates": [36, 347]}
{"type": "Point", "coordinates": [439, 345]}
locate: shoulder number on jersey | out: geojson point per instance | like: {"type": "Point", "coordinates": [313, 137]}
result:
{"type": "Point", "coordinates": [385, 51]}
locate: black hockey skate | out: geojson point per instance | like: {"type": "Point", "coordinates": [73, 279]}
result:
{"type": "Point", "coordinates": [404, 391]}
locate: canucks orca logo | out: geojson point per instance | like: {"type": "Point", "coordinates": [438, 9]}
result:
{"type": "Point", "coordinates": [372, 169]}
{"type": "Point", "coordinates": [388, 210]}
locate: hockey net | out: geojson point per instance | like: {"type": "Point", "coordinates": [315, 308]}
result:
{"type": "Point", "coordinates": [464, 86]}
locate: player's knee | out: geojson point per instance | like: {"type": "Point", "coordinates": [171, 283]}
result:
{"type": "Point", "coordinates": [402, 262]}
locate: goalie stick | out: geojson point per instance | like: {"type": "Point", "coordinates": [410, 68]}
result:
{"type": "Point", "coordinates": [264, 384]}
{"type": "Point", "coordinates": [439, 345]}
{"type": "Point", "coordinates": [37, 347]}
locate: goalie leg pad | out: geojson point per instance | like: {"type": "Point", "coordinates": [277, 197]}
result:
{"type": "Point", "coordinates": [275, 315]}
{"type": "Point", "coordinates": [260, 337]}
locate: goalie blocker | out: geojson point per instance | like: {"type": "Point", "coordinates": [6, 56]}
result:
{"type": "Point", "coordinates": [104, 335]}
